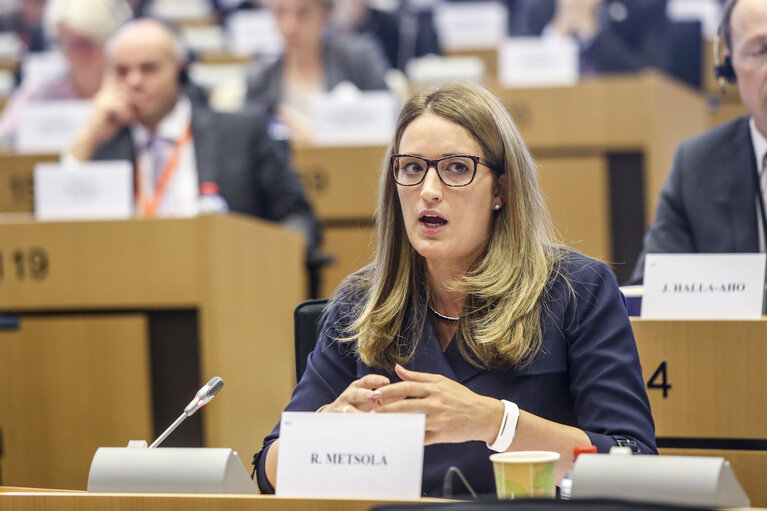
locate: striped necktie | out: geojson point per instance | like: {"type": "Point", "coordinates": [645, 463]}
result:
{"type": "Point", "coordinates": [159, 149]}
{"type": "Point", "coordinates": [763, 178]}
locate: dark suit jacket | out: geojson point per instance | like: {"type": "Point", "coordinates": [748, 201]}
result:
{"type": "Point", "coordinates": [708, 203]}
{"type": "Point", "coordinates": [641, 39]}
{"type": "Point", "coordinates": [352, 58]}
{"type": "Point", "coordinates": [253, 173]}
{"type": "Point", "coordinates": [587, 374]}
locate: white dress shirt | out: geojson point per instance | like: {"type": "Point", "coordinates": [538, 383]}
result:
{"type": "Point", "coordinates": [181, 194]}
{"type": "Point", "coordinates": [760, 153]}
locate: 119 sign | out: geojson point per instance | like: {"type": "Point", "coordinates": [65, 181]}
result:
{"type": "Point", "coordinates": [18, 264]}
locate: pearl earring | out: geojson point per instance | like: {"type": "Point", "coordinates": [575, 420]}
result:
{"type": "Point", "coordinates": [497, 206]}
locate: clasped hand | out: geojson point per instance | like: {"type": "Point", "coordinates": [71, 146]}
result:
{"type": "Point", "coordinates": [453, 412]}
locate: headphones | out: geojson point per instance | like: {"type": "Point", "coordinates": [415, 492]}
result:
{"type": "Point", "coordinates": [723, 69]}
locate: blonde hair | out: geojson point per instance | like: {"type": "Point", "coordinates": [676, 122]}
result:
{"type": "Point", "coordinates": [96, 19]}
{"type": "Point", "coordinates": [500, 324]}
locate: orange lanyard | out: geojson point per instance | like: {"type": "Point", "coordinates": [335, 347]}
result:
{"type": "Point", "coordinates": [148, 205]}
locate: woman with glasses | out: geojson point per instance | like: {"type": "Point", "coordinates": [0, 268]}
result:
{"type": "Point", "coordinates": [471, 312]}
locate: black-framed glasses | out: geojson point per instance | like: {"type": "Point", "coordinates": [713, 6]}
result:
{"type": "Point", "coordinates": [455, 170]}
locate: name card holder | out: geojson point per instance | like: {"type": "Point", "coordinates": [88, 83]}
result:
{"type": "Point", "coordinates": [471, 25]}
{"type": "Point", "coordinates": [253, 33]}
{"type": "Point", "coordinates": [363, 456]}
{"type": "Point", "coordinates": [51, 126]}
{"type": "Point", "coordinates": [90, 191]}
{"type": "Point", "coordinates": [358, 118]}
{"type": "Point", "coordinates": [703, 286]}
{"type": "Point", "coordinates": [538, 62]}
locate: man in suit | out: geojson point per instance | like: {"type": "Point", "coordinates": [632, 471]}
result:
{"type": "Point", "coordinates": [613, 35]}
{"type": "Point", "coordinates": [141, 114]}
{"type": "Point", "coordinates": [714, 198]}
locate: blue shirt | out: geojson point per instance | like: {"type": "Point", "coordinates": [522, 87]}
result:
{"type": "Point", "coordinates": [586, 375]}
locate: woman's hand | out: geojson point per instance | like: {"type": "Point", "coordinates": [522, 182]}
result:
{"type": "Point", "coordinates": [453, 412]}
{"type": "Point", "coordinates": [356, 398]}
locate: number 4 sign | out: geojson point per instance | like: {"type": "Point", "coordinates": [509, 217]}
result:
{"type": "Point", "coordinates": [660, 374]}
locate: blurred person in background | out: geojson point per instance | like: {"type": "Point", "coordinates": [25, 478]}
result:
{"type": "Point", "coordinates": [142, 114]}
{"type": "Point", "coordinates": [314, 61]}
{"type": "Point", "coordinates": [402, 34]}
{"type": "Point", "coordinates": [79, 28]}
{"type": "Point", "coordinates": [25, 19]}
{"type": "Point", "coordinates": [614, 36]}
{"type": "Point", "coordinates": [715, 196]}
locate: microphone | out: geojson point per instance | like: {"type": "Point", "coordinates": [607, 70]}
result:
{"type": "Point", "coordinates": [203, 397]}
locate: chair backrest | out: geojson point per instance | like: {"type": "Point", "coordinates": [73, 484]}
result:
{"type": "Point", "coordinates": [686, 47]}
{"type": "Point", "coordinates": [306, 324]}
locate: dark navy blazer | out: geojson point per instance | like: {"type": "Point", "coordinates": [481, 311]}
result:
{"type": "Point", "coordinates": [586, 375]}
{"type": "Point", "coordinates": [708, 204]}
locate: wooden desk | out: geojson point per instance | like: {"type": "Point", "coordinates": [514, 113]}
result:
{"type": "Point", "coordinates": [17, 181]}
{"type": "Point", "coordinates": [715, 403]}
{"type": "Point", "coordinates": [41, 500]}
{"type": "Point", "coordinates": [122, 322]}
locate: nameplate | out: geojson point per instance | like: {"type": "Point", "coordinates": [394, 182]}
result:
{"type": "Point", "coordinates": [253, 33]}
{"type": "Point", "coordinates": [362, 118]}
{"type": "Point", "coordinates": [470, 25]}
{"type": "Point", "coordinates": [89, 191]}
{"type": "Point", "coordinates": [181, 10]}
{"type": "Point", "coordinates": [538, 62]}
{"type": "Point", "coordinates": [51, 126]}
{"type": "Point", "coordinates": [39, 66]}
{"type": "Point", "coordinates": [703, 286]}
{"type": "Point", "coordinates": [11, 46]}
{"type": "Point", "coordinates": [350, 455]}
{"type": "Point", "coordinates": [205, 38]}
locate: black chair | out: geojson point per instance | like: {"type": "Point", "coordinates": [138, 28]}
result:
{"type": "Point", "coordinates": [306, 330]}
{"type": "Point", "coordinates": [686, 47]}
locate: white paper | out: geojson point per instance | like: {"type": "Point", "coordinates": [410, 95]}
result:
{"type": "Point", "coordinates": [703, 286]}
{"type": "Point", "coordinates": [212, 75]}
{"type": "Point", "coordinates": [51, 126]}
{"type": "Point", "coordinates": [10, 46]}
{"type": "Point", "coordinates": [538, 62]}
{"type": "Point", "coordinates": [361, 456]}
{"type": "Point", "coordinates": [470, 25]}
{"type": "Point", "coordinates": [179, 10]}
{"type": "Point", "coordinates": [206, 38]}
{"type": "Point", "coordinates": [39, 66]}
{"type": "Point", "coordinates": [363, 118]}
{"type": "Point", "coordinates": [708, 12]}
{"type": "Point", "coordinates": [436, 69]}
{"type": "Point", "coordinates": [90, 191]}
{"type": "Point", "coordinates": [253, 33]}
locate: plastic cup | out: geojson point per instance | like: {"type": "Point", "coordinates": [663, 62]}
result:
{"type": "Point", "coordinates": [525, 474]}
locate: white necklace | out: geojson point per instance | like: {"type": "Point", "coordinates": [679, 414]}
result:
{"type": "Point", "coordinates": [442, 316]}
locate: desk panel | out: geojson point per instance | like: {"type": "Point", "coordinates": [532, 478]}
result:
{"type": "Point", "coordinates": [45, 500]}
{"type": "Point", "coordinates": [71, 384]}
{"type": "Point", "coordinates": [217, 293]}
{"type": "Point", "coordinates": [707, 387]}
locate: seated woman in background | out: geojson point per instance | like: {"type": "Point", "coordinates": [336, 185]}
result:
{"type": "Point", "coordinates": [472, 313]}
{"type": "Point", "coordinates": [314, 61]}
{"type": "Point", "coordinates": [79, 28]}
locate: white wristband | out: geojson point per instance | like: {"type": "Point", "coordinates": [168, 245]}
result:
{"type": "Point", "coordinates": [508, 427]}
